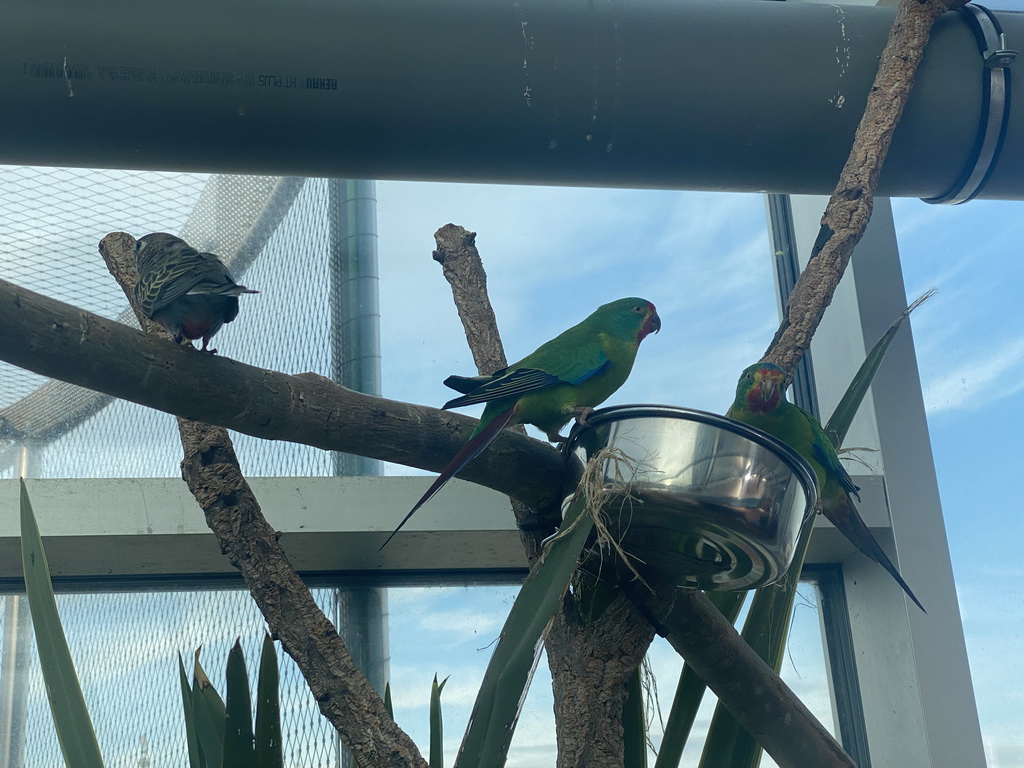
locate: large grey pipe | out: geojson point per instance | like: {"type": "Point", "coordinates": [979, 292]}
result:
{"type": "Point", "coordinates": [702, 94]}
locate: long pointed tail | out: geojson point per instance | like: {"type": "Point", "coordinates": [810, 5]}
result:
{"type": "Point", "coordinates": [473, 447]}
{"type": "Point", "coordinates": [843, 514]}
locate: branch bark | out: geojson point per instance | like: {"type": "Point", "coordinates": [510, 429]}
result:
{"type": "Point", "coordinates": [754, 693]}
{"type": "Point", "coordinates": [464, 270]}
{"type": "Point", "coordinates": [211, 470]}
{"type": "Point", "coordinates": [849, 209]}
{"type": "Point", "coordinates": [60, 341]}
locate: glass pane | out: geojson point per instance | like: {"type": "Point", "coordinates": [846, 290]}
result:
{"type": "Point", "coordinates": [126, 646]}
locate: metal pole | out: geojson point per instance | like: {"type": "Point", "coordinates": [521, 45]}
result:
{"type": "Point", "coordinates": [361, 612]}
{"type": "Point", "coordinates": [705, 94]}
{"type": "Point", "coordinates": [355, 309]}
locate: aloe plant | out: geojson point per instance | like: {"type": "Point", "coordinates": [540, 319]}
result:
{"type": "Point", "coordinates": [221, 735]}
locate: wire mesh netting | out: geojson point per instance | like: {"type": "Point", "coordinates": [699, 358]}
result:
{"type": "Point", "coordinates": [273, 231]}
{"type": "Point", "coordinates": [129, 674]}
{"type": "Point", "coordinates": [277, 232]}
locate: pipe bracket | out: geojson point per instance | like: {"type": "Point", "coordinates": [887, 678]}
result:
{"type": "Point", "coordinates": [995, 108]}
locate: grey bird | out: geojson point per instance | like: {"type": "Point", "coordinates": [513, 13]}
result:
{"type": "Point", "coordinates": [189, 293]}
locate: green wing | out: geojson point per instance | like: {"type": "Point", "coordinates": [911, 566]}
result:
{"type": "Point", "coordinates": [825, 453]}
{"type": "Point", "coordinates": [572, 358]}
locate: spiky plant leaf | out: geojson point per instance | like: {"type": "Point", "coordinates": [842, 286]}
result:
{"type": "Point", "coordinates": [499, 700]}
{"type": "Point", "coordinates": [194, 759]}
{"type": "Point", "coordinates": [238, 736]}
{"type": "Point", "coordinates": [436, 725]}
{"type": "Point", "coordinates": [767, 625]}
{"type": "Point", "coordinates": [67, 704]}
{"type": "Point", "coordinates": [269, 750]}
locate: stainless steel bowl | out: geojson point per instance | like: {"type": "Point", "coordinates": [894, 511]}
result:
{"type": "Point", "coordinates": [712, 503]}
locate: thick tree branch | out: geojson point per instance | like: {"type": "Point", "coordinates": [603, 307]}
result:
{"type": "Point", "coordinates": [849, 209]}
{"type": "Point", "coordinates": [464, 270]}
{"type": "Point", "coordinates": [60, 341]}
{"type": "Point", "coordinates": [211, 470]}
{"type": "Point", "coordinates": [754, 693]}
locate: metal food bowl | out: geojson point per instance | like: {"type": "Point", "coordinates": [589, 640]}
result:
{"type": "Point", "coordinates": [705, 500]}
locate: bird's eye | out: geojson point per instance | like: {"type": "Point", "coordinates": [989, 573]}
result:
{"type": "Point", "coordinates": [637, 308]}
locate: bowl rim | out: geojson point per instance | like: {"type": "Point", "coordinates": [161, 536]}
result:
{"type": "Point", "coordinates": [614, 413]}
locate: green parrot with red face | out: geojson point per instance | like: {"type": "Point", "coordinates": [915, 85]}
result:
{"type": "Point", "coordinates": [761, 403]}
{"type": "Point", "coordinates": [566, 377]}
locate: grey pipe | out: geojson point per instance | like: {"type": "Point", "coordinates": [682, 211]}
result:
{"type": "Point", "coordinates": [703, 94]}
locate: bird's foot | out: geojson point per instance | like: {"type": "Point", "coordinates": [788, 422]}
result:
{"type": "Point", "coordinates": [557, 439]}
{"type": "Point", "coordinates": [582, 414]}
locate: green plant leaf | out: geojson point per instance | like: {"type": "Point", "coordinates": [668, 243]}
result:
{"type": "Point", "coordinates": [436, 725]}
{"type": "Point", "coordinates": [690, 692]}
{"type": "Point", "coordinates": [238, 736]}
{"type": "Point", "coordinates": [634, 725]}
{"type": "Point", "coordinates": [766, 630]}
{"type": "Point", "coordinates": [268, 745]}
{"type": "Point", "coordinates": [210, 713]}
{"type": "Point", "coordinates": [510, 670]}
{"type": "Point", "coordinates": [842, 417]}
{"type": "Point", "coordinates": [67, 704]}
{"type": "Point", "coordinates": [194, 759]}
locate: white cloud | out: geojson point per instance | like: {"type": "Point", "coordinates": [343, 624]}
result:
{"type": "Point", "coordinates": [978, 382]}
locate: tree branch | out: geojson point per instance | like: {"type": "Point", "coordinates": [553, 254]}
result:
{"type": "Point", "coordinates": [590, 657]}
{"type": "Point", "coordinates": [211, 470]}
{"type": "Point", "coordinates": [753, 692]}
{"type": "Point", "coordinates": [464, 270]}
{"type": "Point", "coordinates": [60, 341]}
{"type": "Point", "coordinates": [849, 209]}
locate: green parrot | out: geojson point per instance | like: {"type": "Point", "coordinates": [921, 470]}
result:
{"type": "Point", "coordinates": [566, 377]}
{"type": "Point", "coordinates": [761, 402]}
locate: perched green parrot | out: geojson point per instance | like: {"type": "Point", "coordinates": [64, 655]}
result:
{"type": "Point", "coordinates": [761, 402]}
{"type": "Point", "coordinates": [566, 377]}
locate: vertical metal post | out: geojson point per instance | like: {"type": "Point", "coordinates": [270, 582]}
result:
{"type": "Point", "coordinates": [361, 612]}
{"type": "Point", "coordinates": [355, 306]}
{"type": "Point", "coordinates": [786, 262]}
{"type": "Point", "coordinates": [15, 655]}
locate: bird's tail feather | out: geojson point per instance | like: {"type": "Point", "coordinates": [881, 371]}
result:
{"type": "Point", "coordinates": [844, 515]}
{"type": "Point", "coordinates": [473, 448]}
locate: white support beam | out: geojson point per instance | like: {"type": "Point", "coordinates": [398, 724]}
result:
{"type": "Point", "coordinates": [153, 527]}
{"type": "Point", "coordinates": [914, 676]}
{"type": "Point", "coordinates": [148, 527]}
